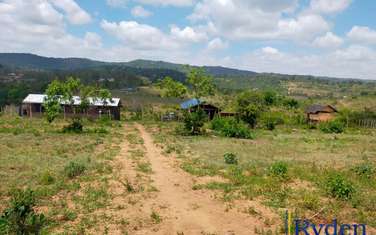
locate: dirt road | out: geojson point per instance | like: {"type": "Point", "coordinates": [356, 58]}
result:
{"type": "Point", "coordinates": [187, 211]}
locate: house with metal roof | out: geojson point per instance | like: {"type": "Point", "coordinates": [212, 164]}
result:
{"type": "Point", "coordinates": [32, 106]}
{"type": "Point", "coordinates": [193, 104]}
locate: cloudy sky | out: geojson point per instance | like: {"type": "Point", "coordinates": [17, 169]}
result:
{"type": "Point", "coordinates": [318, 37]}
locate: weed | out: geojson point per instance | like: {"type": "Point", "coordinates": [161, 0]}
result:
{"type": "Point", "coordinates": [156, 217]}
{"type": "Point", "coordinates": [230, 158]}
{"type": "Point", "coordinates": [74, 169]}
{"type": "Point", "coordinates": [46, 178]}
{"type": "Point", "coordinates": [337, 186]}
{"type": "Point", "coordinates": [144, 167]}
{"type": "Point", "coordinates": [366, 170]}
{"type": "Point", "coordinates": [279, 169]}
{"type": "Point", "coordinates": [20, 217]}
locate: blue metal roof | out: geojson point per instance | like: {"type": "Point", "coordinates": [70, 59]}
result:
{"type": "Point", "coordinates": [190, 103]}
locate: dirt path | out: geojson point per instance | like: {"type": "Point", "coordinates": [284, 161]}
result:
{"type": "Point", "coordinates": [186, 211]}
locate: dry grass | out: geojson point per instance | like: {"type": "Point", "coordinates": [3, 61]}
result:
{"type": "Point", "coordinates": [35, 154]}
{"type": "Point", "coordinates": [311, 157]}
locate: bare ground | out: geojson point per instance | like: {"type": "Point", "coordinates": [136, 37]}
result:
{"type": "Point", "coordinates": [186, 211]}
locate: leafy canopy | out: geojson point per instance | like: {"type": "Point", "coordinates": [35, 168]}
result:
{"type": "Point", "coordinates": [172, 88]}
{"type": "Point", "coordinates": [59, 92]}
{"type": "Point", "coordinates": [201, 83]}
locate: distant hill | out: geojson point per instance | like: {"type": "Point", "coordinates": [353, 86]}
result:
{"type": "Point", "coordinates": [31, 61]}
{"type": "Point", "coordinates": [216, 71]}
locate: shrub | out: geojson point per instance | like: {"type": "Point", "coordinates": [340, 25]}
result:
{"type": "Point", "coordinates": [291, 103]}
{"type": "Point", "coordinates": [332, 127]}
{"type": "Point", "coordinates": [75, 127]}
{"type": "Point", "coordinates": [230, 127]}
{"type": "Point", "coordinates": [20, 217]}
{"type": "Point", "coordinates": [270, 124]}
{"type": "Point", "coordinates": [230, 158]}
{"type": "Point", "coordinates": [194, 121]}
{"type": "Point", "coordinates": [365, 170]}
{"type": "Point", "coordinates": [337, 186]}
{"type": "Point", "coordinates": [74, 169]}
{"type": "Point", "coordinates": [250, 106]}
{"type": "Point", "coordinates": [279, 169]}
{"type": "Point", "coordinates": [272, 119]}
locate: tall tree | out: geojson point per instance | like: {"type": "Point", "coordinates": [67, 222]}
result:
{"type": "Point", "coordinates": [172, 88]}
{"type": "Point", "coordinates": [59, 92]}
{"type": "Point", "coordinates": [201, 83]}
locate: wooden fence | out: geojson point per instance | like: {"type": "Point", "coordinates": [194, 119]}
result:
{"type": "Point", "coordinates": [365, 123]}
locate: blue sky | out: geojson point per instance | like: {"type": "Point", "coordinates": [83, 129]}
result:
{"type": "Point", "coordinates": [317, 37]}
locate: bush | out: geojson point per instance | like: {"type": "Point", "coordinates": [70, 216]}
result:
{"type": "Point", "coordinates": [230, 158]}
{"type": "Point", "coordinates": [230, 127]}
{"type": "Point", "coordinates": [46, 178]}
{"type": "Point", "coordinates": [75, 127]}
{"type": "Point", "coordinates": [291, 103]}
{"type": "Point", "coordinates": [194, 121]}
{"type": "Point", "coordinates": [332, 127]}
{"type": "Point", "coordinates": [365, 170]}
{"type": "Point", "coordinates": [20, 217]}
{"type": "Point", "coordinates": [279, 169]}
{"type": "Point", "coordinates": [74, 169]}
{"type": "Point", "coordinates": [337, 186]}
{"type": "Point", "coordinates": [272, 119]}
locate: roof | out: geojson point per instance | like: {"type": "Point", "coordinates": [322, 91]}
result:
{"type": "Point", "coordinates": [316, 108]}
{"type": "Point", "coordinates": [190, 103]}
{"type": "Point", "coordinates": [39, 99]}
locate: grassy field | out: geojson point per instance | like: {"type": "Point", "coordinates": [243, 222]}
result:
{"type": "Point", "coordinates": [68, 173]}
{"type": "Point", "coordinates": [300, 170]}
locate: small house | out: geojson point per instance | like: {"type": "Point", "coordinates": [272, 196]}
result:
{"type": "Point", "coordinates": [32, 106]}
{"type": "Point", "coordinates": [193, 104]}
{"type": "Point", "coordinates": [320, 113]}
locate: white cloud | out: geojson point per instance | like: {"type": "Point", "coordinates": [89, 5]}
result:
{"type": "Point", "coordinates": [351, 62]}
{"type": "Point", "coordinates": [256, 19]}
{"type": "Point", "coordinates": [217, 44]}
{"type": "Point", "coordinates": [329, 40]}
{"type": "Point", "coordinates": [362, 34]}
{"type": "Point", "coordinates": [304, 27]}
{"type": "Point", "coordinates": [270, 50]}
{"type": "Point", "coordinates": [117, 3]}
{"type": "Point", "coordinates": [139, 36]}
{"type": "Point", "coordinates": [75, 14]}
{"type": "Point", "coordinates": [176, 3]}
{"type": "Point", "coordinates": [187, 34]}
{"type": "Point", "coordinates": [329, 6]}
{"type": "Point", "coordinates": [93, 39]}
{"type": "Point", "coordinates": [139, 11]}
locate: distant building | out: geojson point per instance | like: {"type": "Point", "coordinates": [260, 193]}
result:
{"type": "Point", "coordinates": [32, 106]}
{"type": "Point", "coordinates": [193, 104]}
{"type": "Point", "coordinates": [320, 113]}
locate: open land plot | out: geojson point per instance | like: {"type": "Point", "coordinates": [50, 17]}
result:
{"type": "Point", "coordinates": [311, 159]}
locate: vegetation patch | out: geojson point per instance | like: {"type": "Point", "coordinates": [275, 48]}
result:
{"type": "Point", "coordinates": [230, 127]}
{"type": "Point", "coordinates": [279, 169]}
{"type": "Point", "coordinates": [74, 169]}
{"type": "Point", "coordinates": [230, 158]}
{"type": "Point", "coordinates": [20, 217]}
{"type": "Point", "coordinates": [335, 126]}
{"type": "Point", "coordinates": [339, 187]}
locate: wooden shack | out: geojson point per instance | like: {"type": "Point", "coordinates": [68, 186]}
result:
{"type": "Point", "coordinates": [320, 113]}
{"type": "Point", "coordinates": [193, 104]}
{"type": "Point", "coordinates": [32, 106]}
